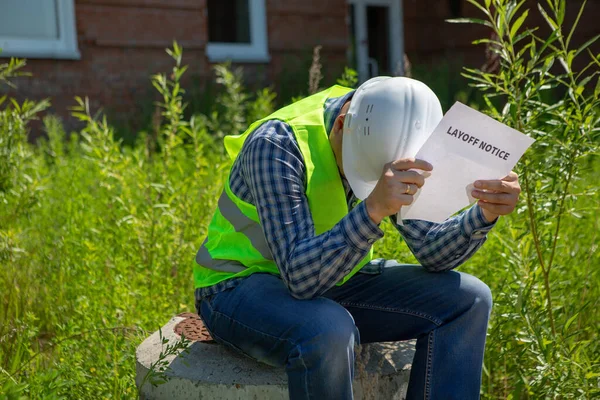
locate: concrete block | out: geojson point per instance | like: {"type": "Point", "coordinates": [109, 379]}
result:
{"type": "Point", "coordinates": [212, 371]}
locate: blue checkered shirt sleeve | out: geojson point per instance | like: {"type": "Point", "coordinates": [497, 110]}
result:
{"type": "Point", "coordinates": [445, 246]}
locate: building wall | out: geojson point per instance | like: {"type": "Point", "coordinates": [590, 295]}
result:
{"type": "Point", "coordinates": [122, 44]}
{"type": "Point", "coordinates": [429, 39]}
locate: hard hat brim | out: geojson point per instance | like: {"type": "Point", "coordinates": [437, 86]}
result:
{"type": "Point", "coordinates": [361, 188]}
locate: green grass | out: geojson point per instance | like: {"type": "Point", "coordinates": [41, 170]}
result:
{"type": "Point", "coordinates": [101, 260]}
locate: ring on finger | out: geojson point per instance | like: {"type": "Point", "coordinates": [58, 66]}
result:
{"type": "Point", "coordinates": [408, 188]}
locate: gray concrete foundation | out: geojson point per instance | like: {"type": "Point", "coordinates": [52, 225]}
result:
{"type": "Point", "coordinates": [213, 371]}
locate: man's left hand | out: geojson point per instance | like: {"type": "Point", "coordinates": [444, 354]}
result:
{"type": "Point", "coordinates": [497, 196]}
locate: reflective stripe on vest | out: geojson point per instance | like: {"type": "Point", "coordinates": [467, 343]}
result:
{"type": "Point", "coordinates": [235, 245]}
{"type": "Point", "coordinates": [242, 224]}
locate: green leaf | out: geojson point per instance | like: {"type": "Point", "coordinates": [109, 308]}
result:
{"type": "Point", "coordinates": [585, 81]}
{"type": "Point", "coordinates": [548, 43]}
{"type": "Point", "coordinates": [570, 57]}
{"type": "Point", "coordinates": [570, 321]}
{"type": "Point", "coordinates": [586, 45]}
{"type": "Point", "coordinates": [575, 23]}
{"type": "Point", "coordinates": [470, 21]}
{"type": "Point", "coordinates": [483, 9]}
{"type": "Point", "coordinates": [549, 20]}
{"type": "Point", "coordinates": [491, 107]}
{"type": "Point", "coordinates": [532, 49]}
{"type": "Point", "coordinates": [523, 35]}
{"type": "Point", "coordinates": [487, 41]}
{"type": "Point", "coordinates": [80, 116]}
{"type": "Point", "coordinates": [518, 23]}
{"type": "Point", "coordinates": [513, 9]}
{"type": "Point", "coordinates": [561, 11]}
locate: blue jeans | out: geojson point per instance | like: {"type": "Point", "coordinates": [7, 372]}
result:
{"type": "Point", "coordinates": [314, 339]}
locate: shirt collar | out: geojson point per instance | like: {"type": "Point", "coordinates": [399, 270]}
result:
{"type": "Point", "coordinates": [332, 109]}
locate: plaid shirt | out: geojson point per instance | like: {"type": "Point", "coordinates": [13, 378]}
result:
{"type": "Point", "coordinates": [270, 173]}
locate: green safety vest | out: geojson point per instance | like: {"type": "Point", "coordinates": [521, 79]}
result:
{"type": "Point", "coordinates": [235, 245]}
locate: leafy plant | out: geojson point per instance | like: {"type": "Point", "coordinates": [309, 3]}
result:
{"type": "Point", "coordinates": [158, 372]}
{"type": "Point", "coordinates": [232, 101]}
{"type": "Point", "coordinates": [262, 106]}
{"type": "Point", "coordinates": [11, 69]}
{"type": "Point", "coordinates": [349, 78]}
{"type": "Point", "coordinates": [95, 242]}
{"type": "Point", "coordinates": [19, 186]}
{"type": "Point", "coordinates": [533, 71]}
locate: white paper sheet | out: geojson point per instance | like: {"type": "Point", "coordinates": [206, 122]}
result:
{"type": "Point", "coordinates": [466, 146]}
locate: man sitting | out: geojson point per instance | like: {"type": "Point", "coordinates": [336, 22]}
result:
{"type": "Point", "coordinates": [286, 274]}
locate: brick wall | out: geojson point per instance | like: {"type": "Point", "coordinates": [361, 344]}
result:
{"type": "Point", "coordinates": [428, 38]}
{"type": "Point", "coordinates": [294, 28]}
{"type": "Point", "coordinates": [122, 44]}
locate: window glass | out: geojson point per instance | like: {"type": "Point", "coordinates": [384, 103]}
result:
{"type": "Point", "coordinates": [28, 19]}
{"type": "Point", "coordinates": [228, 21]}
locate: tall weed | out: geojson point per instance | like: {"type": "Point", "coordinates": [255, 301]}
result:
{"type": "Point", "coordinates": [97, 243]}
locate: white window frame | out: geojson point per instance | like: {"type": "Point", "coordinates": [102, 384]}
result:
{"type": "Point", "coordinates": [255, 51]}
{"type": "Point", "coordinates": [64, 47]}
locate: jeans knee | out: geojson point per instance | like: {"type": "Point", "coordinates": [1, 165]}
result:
{"type": "Point", "coordinates": [477, 293]}
{"type": "Point", "coordinates": [328, 337]}
{"type": "Point", "coordinates": [341, 336]}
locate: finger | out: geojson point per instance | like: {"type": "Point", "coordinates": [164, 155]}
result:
{"type": "Point", "coordinates": [495, 198]}
{"type": "Point", "coordinates": [499, 209]}
{"type": "Point", "coordinates": [511, 177]}
{"type": "Point", "coordinates": [411, 163]}
{"type": "Point", "coordinates": [410, 177]}
{"type": "Point", "coordinates": [411, 189]}
{"type": "Point", "coordinates": [408, 189]}
{"type": "Point", "coordinates": [497, 185]}
{"type": "Point", "coordinates": [406, 199]}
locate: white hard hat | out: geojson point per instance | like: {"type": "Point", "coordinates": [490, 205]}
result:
{"type": "Point", "coordinates": [388, 119]}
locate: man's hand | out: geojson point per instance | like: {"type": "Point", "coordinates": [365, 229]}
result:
{"type": "Point", "coordinates": [395, 187]}
{"type": "Point", "coordinates": [500, 197]}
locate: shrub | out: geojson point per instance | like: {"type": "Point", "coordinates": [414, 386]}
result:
{"type": "Point", "coordinates": [540, 340]}
{"type": "Point", "coordinates": [97, 241]}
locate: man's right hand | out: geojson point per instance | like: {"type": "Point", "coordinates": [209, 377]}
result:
{"type": "Point", "coordinates": [396, 187]}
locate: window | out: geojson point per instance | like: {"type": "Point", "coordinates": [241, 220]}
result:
{"type": "Point", "coordinates": [38, 29]}
{"type": "Point", "coordinates": [237, 31]}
